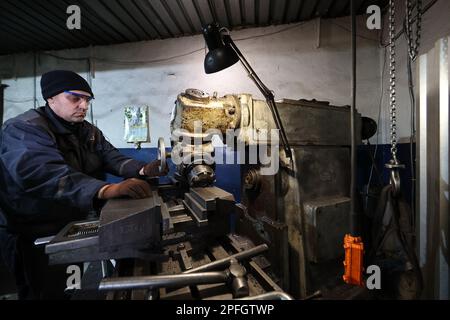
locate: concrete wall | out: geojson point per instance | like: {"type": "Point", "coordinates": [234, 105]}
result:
{"type": "Point", "coordinates": [296, 61]}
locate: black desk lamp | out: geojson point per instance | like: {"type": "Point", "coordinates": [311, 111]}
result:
{"type": "Point", "coordinates": [222, 54]}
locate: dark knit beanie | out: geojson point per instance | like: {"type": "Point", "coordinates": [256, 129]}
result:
{"type": "Point", "coordinates": [57, 81]}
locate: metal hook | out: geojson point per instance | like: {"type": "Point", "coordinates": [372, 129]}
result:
{"type": "Point", "coordinates": [394, 179]}
{"type": "Point", "coordinates": [226, 30]}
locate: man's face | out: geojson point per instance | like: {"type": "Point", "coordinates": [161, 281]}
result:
{"type": "Point", "coordinates": [71, 107]}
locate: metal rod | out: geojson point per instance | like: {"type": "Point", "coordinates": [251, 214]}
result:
{"type": "Point", "coordinates": [225, 262]}
{"type": "Point", "coordinates": [353, 214]}
{"type": "Point", "coordinates": [274, 295]}
{"type": "Point", "coordinates": [316, 294]}
{"type": "Point", "coordinates": [164, 281]}
{"type": "Point", "coordinates": [267, 94]}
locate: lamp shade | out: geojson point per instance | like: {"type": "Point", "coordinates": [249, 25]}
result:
{"type": "Point", "coordinates": [220, 55]}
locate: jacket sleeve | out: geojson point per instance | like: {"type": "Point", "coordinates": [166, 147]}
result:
{"type": "Point", "coordinates": [38, 168]}
{"type": "Point", "coordinates": [117, 163]}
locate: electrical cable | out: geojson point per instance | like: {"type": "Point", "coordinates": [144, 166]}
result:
{"type": "Point", "coordinates": [411, 141]}
{"type": "Point", "coordinates": [358, 35]}
{"type": "Point", "coordinates": [120, 62]}
{"type": "Point", "coordinates": [272, 33]}
{"type": "Point", "coordinates": [168, 58]}
{"type": "Point", "coordinates": [378, 122]}
{"type": "Point", "coordinates": [412, 53]}
{"type": "Point", "coordinates": [140, 62]}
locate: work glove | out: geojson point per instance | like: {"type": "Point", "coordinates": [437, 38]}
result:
{"type": "Point", "coordinates": [151, 169]}
{"type": "Point", "coordinates": [134, 188]}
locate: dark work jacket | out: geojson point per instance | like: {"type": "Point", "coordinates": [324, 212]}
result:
{"type": "Point", "coordinates": [50, 174]}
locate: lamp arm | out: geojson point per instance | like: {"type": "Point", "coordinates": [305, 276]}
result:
{"type": "Point", "coordinates": [267, 94]}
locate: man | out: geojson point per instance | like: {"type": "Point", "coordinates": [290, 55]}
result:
{"type": "Point", "coordinates": [53, 165]}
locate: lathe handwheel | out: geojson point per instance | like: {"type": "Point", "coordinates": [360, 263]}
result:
{"type": "Point", "coordinates": [162, 155]}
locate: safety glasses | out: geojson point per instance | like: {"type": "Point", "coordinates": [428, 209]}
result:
{"type": "Point", "coordinates": [77, 97]}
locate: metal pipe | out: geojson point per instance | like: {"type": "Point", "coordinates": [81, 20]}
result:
{"type": "Point", "coordinates": [353, 214]}
{"type": "Point", "coordinates": [225, 262]}
{"type": "Point", "coordinates": [316, 294]}
{"type": "Point", "coordinates": [163, 281]}
{"type": "Point", "coordinates": [274, 295]}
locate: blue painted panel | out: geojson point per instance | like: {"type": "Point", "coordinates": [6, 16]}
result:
{"type": "Point", "coordinates": [228, 176]}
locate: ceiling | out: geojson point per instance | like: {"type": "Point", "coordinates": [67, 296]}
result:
{"type": "Point", "coordinates": [29, 25]}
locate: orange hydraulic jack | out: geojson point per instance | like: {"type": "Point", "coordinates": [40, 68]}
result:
{"type": "Point", "coordinates": [354, 252]}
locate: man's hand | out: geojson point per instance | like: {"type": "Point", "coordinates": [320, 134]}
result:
{"type": "Point", "coordinates": [134, 188]}
{"type": "Point", "coordinates": [151, 169]}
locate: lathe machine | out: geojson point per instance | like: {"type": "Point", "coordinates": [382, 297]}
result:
{"type": "Point", "coordinates": [191, 240]}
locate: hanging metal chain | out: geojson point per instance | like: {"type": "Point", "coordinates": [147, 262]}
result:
{"type": "Point", "coordinates": [392, 81]}
{"type": "Point", "coordinates": [393, 164]}
{"type": "Point", "coordinates": [413, 44]}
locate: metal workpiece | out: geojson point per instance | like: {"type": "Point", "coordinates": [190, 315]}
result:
{"type": "Point", "coordinates": [207, 197]}
{"type": "Point", "coordinates": [210, 206]}
{"type": "Point", "coordinates": [201, 175]}
{"type": "Point", "coordinates": [225, 262]}
{"type": "Point", "coordinates": [163, 281]}
{"type": "Point", "coordinates": [195, 214]}
{"type": "Point", "coordinates": [193, 204]}
{"type": "Point", "coordinates": [196, 168]}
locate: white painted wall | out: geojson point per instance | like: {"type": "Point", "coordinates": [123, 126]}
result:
{"type": "Point", "coordinates": [285, 57]}
{"type": "Point", "coordinates": [435, 25]}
